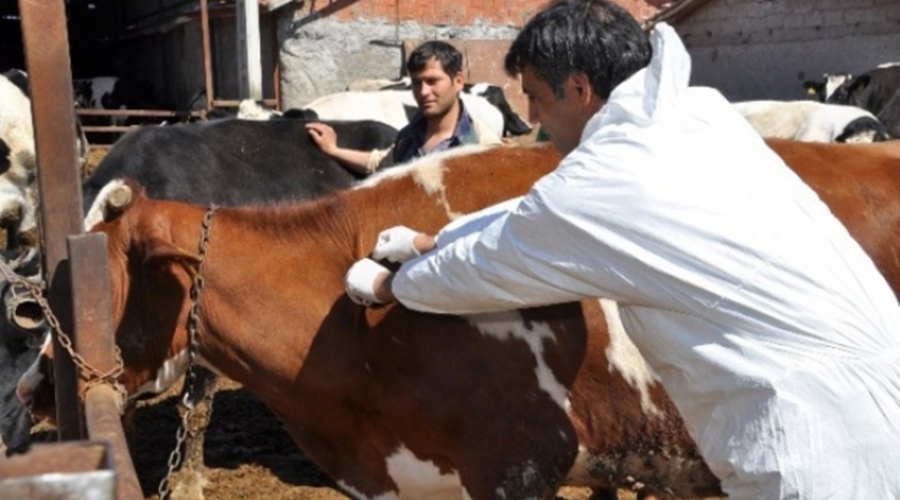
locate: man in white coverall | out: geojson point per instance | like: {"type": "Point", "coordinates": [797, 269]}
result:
{"type": "Point", "coordinates": [768, 325]}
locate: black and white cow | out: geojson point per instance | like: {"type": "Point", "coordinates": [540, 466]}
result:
{"type": "Point", "coordinates": [877, 91]}
{"type": "Point", "coordinates": [396, 106]}
{"type": "Point", "coordinates": [812, 121]}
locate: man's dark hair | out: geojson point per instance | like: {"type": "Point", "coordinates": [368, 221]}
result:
{"type": "Point", "coordinates": [450, 58]}
{"type": "Point", "coordinates": [594, 37]}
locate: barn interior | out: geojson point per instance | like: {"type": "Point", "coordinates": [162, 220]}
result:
{"type": "Point", "coordinates": [158, 44]}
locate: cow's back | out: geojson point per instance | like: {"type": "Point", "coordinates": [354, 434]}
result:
{"type": "Point", "coordinates": [233, 162]}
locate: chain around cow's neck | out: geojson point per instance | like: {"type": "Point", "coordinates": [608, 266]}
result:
{"type": "Point", "coordinates": [190, 377]}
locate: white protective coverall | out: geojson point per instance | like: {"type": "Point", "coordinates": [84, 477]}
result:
{"type": "Point", "coordinates": [768, 325]}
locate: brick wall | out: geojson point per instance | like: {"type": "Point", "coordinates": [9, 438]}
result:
{"type": "Point", "coordinates": [756, 49]}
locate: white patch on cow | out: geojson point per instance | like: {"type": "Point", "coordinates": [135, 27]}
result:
{"type": "Point", "coordinates": [510, 324]}
{"type": "Point", "coordinates": [166, 375]}
{"type": "Point", "coordinates": [479, 88]}
{"type": "Point", "coordinates": [579, 474]}
{"type": "Point", "coordinates": [420, 479]}
{"type": "Point", "coordinates": [428, 172]}
{"type": "Point", "coordinates": [170, 371]}
{"type": "Point", "coordinates": [97, 213]}
{"type": "Point", "coordinates": [833, 82]}
{"type": "Point", "coordinates": [248, 109]}
{"type": "Point", "coordinates": [625, 357]}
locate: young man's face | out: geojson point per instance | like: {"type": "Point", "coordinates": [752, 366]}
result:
{"type": "Point", "coordinates": [435, 91]}
{"type": "Point", "coordinates": [563, 119]}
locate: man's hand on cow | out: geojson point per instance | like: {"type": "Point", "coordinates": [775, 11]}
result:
{"type": "Point", "coordinates": [324, 136]}
{"type": "Point", "coordinates": [400, 243]}
{"type": "Point", "coordinates": [368, 282]}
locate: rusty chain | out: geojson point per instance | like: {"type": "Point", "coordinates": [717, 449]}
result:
{"type": "Point", "coordinates": [92, 376]}
{"type": "Point", "coordinates": [190, 378]}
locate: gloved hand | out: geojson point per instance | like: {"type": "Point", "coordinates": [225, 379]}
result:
{"type": "Point", "coordinates": [396, 244]}
{"type": "Point", "coordinates": [360, 281]}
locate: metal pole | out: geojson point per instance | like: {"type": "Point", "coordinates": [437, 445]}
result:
{"type": "Point", "coordinates": [207, 54]}
{"type": "Point", "coordinates": [249, 54]}
{"type": "Point", "coordinates": [47, 54]}
{"type": "Point", "coordinates": [96, 343]}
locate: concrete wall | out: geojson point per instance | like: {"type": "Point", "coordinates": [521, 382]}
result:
{"type": "Point", "coordinates": [766, 49]}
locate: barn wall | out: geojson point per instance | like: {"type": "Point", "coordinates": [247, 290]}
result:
{"type": "Point", "coordinates": [327, 45]}
{"type": "Point", "coordinates": [766, 49]}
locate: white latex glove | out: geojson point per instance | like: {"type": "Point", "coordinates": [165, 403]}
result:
{"type": "Point", "coordinates": [360, 280]}
{"type": "Point", "coordinates": [396, 244]}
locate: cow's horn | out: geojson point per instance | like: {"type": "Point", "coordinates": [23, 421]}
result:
{"type": "Point", "coordinates": [119, 198]}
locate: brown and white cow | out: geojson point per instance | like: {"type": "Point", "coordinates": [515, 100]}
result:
{"type": "Point", "coordinates": [397, 404]}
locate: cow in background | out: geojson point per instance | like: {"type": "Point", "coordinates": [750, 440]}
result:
{"type": "Point", "coordinates": [877, 91]}
{"type": "Point", "coordinates": [812, 121]}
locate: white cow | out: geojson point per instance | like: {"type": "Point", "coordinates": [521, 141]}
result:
{"type": "Point", "coordinates": [812, 121]}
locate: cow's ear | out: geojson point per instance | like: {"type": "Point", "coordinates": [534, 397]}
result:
{"type": "Point", "coordinates": [159, 251]}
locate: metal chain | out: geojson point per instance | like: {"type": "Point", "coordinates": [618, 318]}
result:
{"type": "Point", "coordinates": [190, 377]}
{"type": "Point", "coordinates": [91, 375]}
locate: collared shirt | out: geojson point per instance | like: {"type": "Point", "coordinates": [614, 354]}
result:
{"type": "Point", "coordinates": [411, 139]}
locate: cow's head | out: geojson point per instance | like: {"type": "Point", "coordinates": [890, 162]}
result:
{"type": "Point", "coordinates": [823, 90]}
{"type": "Point", "coordinates": [513, 124]}
{"type": "Point", "coordinates": [150, 278]}
{"type": "Point", "coordinates": [849, 91]}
